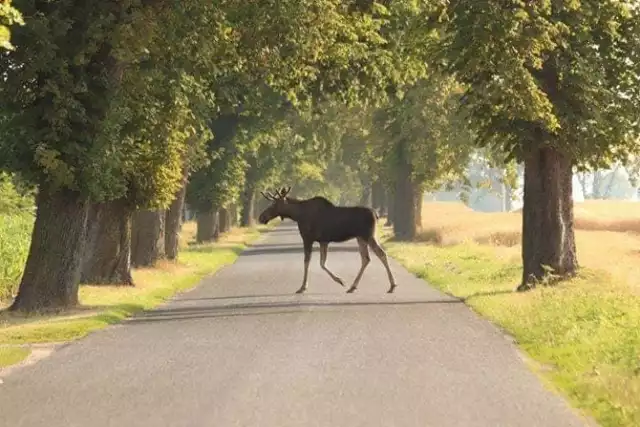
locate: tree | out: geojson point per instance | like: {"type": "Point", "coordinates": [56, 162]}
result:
{"type": "Point", "coordinates": [554, 85]}
{"type": "Point", "coordinates": [220, 182]}
{"type": "Point", "coordinates": [8, 16]}
{"type": "Point", "coordinates": [75, 126]}
{"type": "Point", "coordinates": [424, 144]}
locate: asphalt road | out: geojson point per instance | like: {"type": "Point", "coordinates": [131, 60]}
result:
{"type": "Point", "coordinates": [243, 350]}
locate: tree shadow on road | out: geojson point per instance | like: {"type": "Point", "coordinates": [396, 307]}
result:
{"type": "Point", "coordinates": [290, 249]}
{"type": "Point", "coordinates": [266, 308]}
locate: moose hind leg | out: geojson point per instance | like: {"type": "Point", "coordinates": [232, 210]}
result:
{"type": "Point", "coordinates": [323, 261]}
{"type": "Point", "coordinates": [380, 253]}
{"type": "Point", "coordinates": [308, 246]}
{"type": "Point", "coordinates": [364, 257]}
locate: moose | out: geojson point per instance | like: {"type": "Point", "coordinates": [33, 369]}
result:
{"type": "Point", "coordinates": [321, 221]}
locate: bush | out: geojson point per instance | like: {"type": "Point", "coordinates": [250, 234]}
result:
{"type": "Point", "coordinates": [15, 237]}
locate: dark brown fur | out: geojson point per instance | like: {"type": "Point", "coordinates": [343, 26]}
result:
{"type": "Point", "coordinates": [321, 221]}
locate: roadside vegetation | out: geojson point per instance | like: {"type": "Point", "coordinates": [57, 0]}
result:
{"type": "Point", "coordinates": [102, 306]}
{"type": "Point", "coordinates": [583, 336]}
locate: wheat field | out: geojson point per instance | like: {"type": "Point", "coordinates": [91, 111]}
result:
{"type": "Point", "coordinates": [607, 233]}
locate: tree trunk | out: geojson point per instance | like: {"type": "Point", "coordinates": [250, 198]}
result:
{"type": "Point", "coordinates": [247, 218]}
{"type": "Point", "coordinates": [507, 195]}
{"type": "Point", "coordinates": [148, 238]}
{"type": "Point", "coordinates": [108, 251]}
{"type": "Point", "coordinates": [233, 215]}
{"type": "Point", "coordinates": [384, 203]}
{"type": "Point", "coordinates": [52, 271]}
{"type": "Point", "coordinates": [365, 197]}
{"type": "Point", "coordinates": [597, 182]}
{"type": "Point", "coordinates": [173, 223]}
{"type": "Point", "coordinates": [404, 220]}
{"type": "Point", "coordinates": [377, 198]}
{"type": "Point", "coordinates": [391, 208]}
{"type": "Point", "coordinates": [207, 230]}
{"type": "Point", "coordinates": [224, 220]}
{"type": "Point", "coordinates": [260, 204]}
{"type": "Point", "coordinates": [547, 217]}
{"type": "Point", "coordinates": [418, 202]}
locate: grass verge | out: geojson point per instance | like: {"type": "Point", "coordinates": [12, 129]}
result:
{"type": "Point", "coordinates": [12, 355]}
{"type": "Point", "coordinates": [583, 336]}
{"type": "Point", "coordinates": [102, 306]}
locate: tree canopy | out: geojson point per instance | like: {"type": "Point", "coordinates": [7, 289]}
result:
{"type": "Point", "coordinates": [566, 69]}
{"type": "Point", "coordinates": [8, 16]}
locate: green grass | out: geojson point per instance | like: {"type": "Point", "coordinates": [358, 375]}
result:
{"type": "Point", "coordinates": [102, 306]}
{"type": "Point", "coordinates": [15, 235]}
{"type": "Point", "coordinates": [584, 334]}
{"type": "Point", "coordinates": [12, 355]}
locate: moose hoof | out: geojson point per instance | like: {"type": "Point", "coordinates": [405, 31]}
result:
{"type": "Point", "coordinates": [301, 291]}
{"type": "Point", "coordinates": [341, 282]}
{"type": "Point", "coordinates": [351, 290]}
{"type": "Point", "coordinates": [391, 289]}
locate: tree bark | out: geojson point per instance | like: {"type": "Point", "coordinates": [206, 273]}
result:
{"type": "Point", "coordinates": [260, 205]}
{"type": "Point", "coordinates": [547, 217]}
{"type": "Point", "coordinates": [365, 197]}
{"type": "Point", "coordinates": [507, 195]}
{"type": "Point", "coordinates": [52, 271]}
{"type": "Point", "coordinates": [108, 252]}
{"type": "Point", "coordinates": [233, 215]}
{"type": "Point", "coordinates": [404, 220]}
{"type": "Point", "coordinates": [147, 246]}
{"type": "Point", "coordinates": [247, 216]}
{"type": "Point", "coordinates": [377, 198]}
{"type": "Point", "coordinates": [418, 201]}
{"type": "Point", "coordinates": [173, 223]}
{"type": "Point", "coordinates": [391, 208]}
{"type": "Point", "coordinates": [207, 226]}
{"type": "Point", "coordinates": [224, 220]}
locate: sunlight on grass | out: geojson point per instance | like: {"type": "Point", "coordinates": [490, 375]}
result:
{"type": "Point", "coordinates": [585, 332]}
{"type": "Point", "coordinates": [105, 305]}
{"type": "Point", "coordinates": [12, 355]}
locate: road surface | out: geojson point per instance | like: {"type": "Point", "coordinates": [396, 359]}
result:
{"type": "Point", "coordinates": [243, 350]}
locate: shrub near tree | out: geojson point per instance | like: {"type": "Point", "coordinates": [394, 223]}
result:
{"type": "Point", "coordinates": [553, 85]}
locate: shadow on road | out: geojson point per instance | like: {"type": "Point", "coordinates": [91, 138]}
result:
{"type": "Point", "coordinates": [273, 250]}
{"type": "Point", "coordinates": [264, 308]}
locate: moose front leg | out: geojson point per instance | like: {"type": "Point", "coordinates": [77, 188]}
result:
{"type": "Point", "coordinates": [308, 246]}
{"type": "Point", "coordinates": [323, 261]}
{"type": "Point", "coordinates": [364, 257]}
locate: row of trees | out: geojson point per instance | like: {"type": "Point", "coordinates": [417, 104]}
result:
{"type": "Point", "coordinates": [108, 107]}
{"type": "Point", "coordinates": [119, 112]}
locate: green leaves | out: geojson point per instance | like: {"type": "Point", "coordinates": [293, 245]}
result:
{"type": "Point", "coordinates": [8, 16]}
{"type": "Point", "coordinates": [563, 68]}
{"type": "Point", "coordinates": [423, 126]}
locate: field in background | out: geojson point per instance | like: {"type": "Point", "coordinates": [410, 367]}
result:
{"type": "Point", "coordinates": [607, 234]}
{"type": "Point", "coordinates": [583, 336]}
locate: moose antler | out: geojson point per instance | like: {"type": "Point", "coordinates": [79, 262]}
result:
{"type": "Point", "coordinates": [279, 194]}
{"type": "Point", "coordinates": [284, 191]}
{"type": "Point", "coordinates": [268, 196]}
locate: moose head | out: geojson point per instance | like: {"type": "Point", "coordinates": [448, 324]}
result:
{"type": "Point", "coordinates": [277, 207]}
